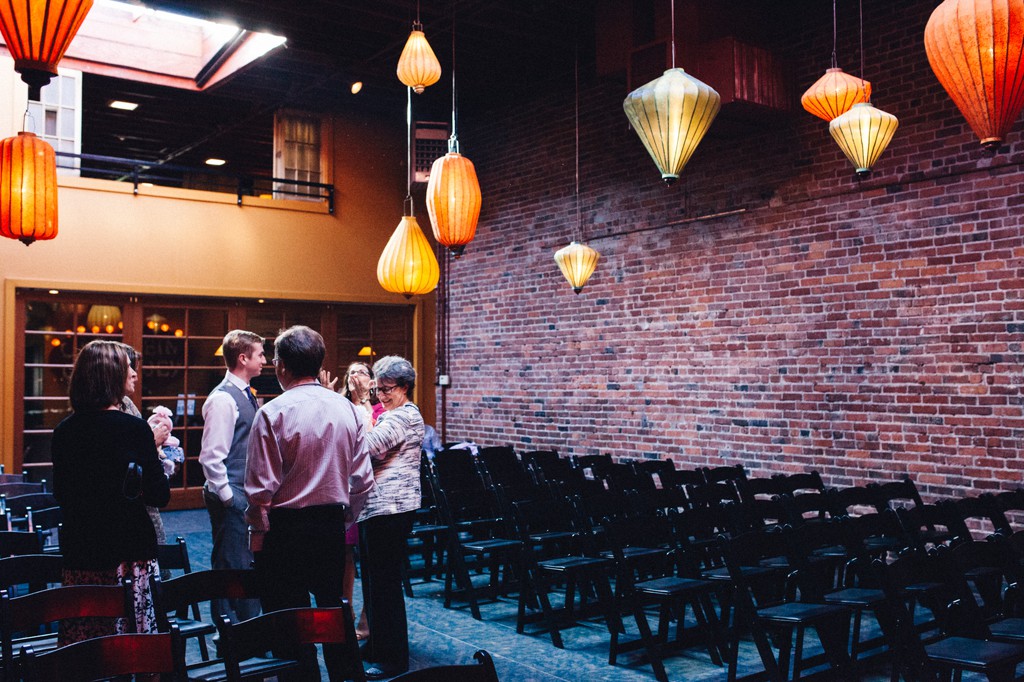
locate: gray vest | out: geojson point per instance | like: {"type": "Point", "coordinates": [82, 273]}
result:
{"type": "Point", "coordinates": [235, 462]}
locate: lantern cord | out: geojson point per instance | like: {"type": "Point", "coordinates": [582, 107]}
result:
{"type": "Point", "coordinates": [576, 75]}
{"type": "Point", "coordinates": [453, 141]}
{"type": "Point", "coordinates": [672, 23]}
{"type": "Point", "coordinates": [862, 88]}
{"type": "Point", "coordinates": [408, 152]}
{"type": "Point", "coordinates": [835, 63]}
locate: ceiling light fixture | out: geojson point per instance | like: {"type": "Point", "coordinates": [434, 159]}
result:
{"type": "Point", "coordinates": [453, 191]}
{"type": "Point", "coordinates": [37, 33]}
{"type": "Point", "coordinates": [356, 87]}
{"type": "Point", "coordinates": [122, 105]}
{"type": "Point", "coordinates": [215, 162]}
{"type": "Point", "coordinates": [408, 266]}
{"type": "Point", "coordinates": [671, 114]}
{"type": "Point", "coordinates": [28, 190]}
{"type": "Point", "coordinates": [577, 261]}
{"type": "Point", "coordinates": [418, 67]}
{"type": "Point", "coordinates": [864, 131]}
{"type": "Point", "coordinates": [976, 51]}
{"type": "Point", "coordinates": [836, 91]}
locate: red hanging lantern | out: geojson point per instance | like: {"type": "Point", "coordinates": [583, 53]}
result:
{"type": "Point", "coordinates": [38, 32]}
{"type": "Point", "coordinates": [976, 48]}
{"type": "Point", "coordinates": [28, 188]}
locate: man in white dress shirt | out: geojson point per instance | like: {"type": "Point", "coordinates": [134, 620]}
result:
{"type": "Point", "coordinates": [227, 415]}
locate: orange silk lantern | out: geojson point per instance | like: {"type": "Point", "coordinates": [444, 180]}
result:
{"type": "Point", "coordinates": [976, 48]}
{"type": "Point", "coordinates": [28, 188]}
{"type": "Point", "coordinates": [38, 32]}
{"type": "Point", "coordinates": [453, 201]}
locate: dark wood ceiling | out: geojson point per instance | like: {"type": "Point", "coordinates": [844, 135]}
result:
{"type": "Point", "coordinates": [500, 46]}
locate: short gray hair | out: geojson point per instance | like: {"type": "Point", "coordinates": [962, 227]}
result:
{"type": "Point", "coordinates": [396, 369]}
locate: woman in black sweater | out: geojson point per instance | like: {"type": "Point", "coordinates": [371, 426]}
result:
{"type": "Point", "coordinates": [105, 472]}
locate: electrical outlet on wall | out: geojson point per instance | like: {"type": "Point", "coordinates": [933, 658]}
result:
{"type": "Point", "coordinates": [444, 380]}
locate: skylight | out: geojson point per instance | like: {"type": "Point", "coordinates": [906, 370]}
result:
{"type": "Point", "coordinates": [154, 46]}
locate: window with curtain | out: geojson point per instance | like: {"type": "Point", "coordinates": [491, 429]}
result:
{"type": "Point", "coordinates": [297, 153]}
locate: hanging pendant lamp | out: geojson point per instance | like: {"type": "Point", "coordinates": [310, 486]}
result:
{"type": "Point", "coordinates": [863, 133]}
{"type": "Point", "coordinates": [671, 114]}
{"type": "Point", "coordinates": [834, 93]}
{"type": "Point", "coordinates": [407, 265]}
{"type": "Point", "coordinates": [577, 262]}
{"type": "Point", "coordinates": [453, 201]}
{"type": "Point", "coordinates": [28, 188]}
{"type": "Point", "coordinates": [976, 49]}
{"type": "Point", "coordinates": [418, 67]}
{"type": "Point", "coordinates": [453, 191]}
{"type": "Point", "coordinates": [38, 32]}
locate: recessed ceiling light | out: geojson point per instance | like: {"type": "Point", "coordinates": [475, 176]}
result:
{"type": "Point", "coordinates": [54, 292]}
{"type": "Point", "coordinates": [122, 105]}
{"type": "Point", "coordinates": [215, 162]}
{"type": "Point", "coordinates": [356, 87]}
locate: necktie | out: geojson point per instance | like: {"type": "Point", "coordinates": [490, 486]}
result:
{"type": "Point", "coordinates": [252, 398]}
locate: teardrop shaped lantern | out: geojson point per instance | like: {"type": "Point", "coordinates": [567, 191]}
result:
{"type": "Point", "coordinates": [976, 48]}
{"type": "Point", "coordinates": [834, 93]}
{"type": "Point", "coordinates": [453, 201]}
{"type": "Point", "coordinates": [408, 265]}
{"type": "Point", "coordinates": [577, 262]}
{"type": "Point", "coordinates": [863, 133]}
{"type": "Point", "coordinates": [38, 32]}
{"type": "Point", "coordinates": [28, 188]}
{"type": "Point", "coordinates": [671, 114]}
{"type": "Point", "coordinates": [418, 66]}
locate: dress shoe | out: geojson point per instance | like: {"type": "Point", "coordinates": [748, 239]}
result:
{"type": "Point", "coordinates": [376, 673]}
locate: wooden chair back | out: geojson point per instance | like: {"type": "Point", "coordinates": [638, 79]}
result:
{"type": "Point", "coordinates": [106, 657]}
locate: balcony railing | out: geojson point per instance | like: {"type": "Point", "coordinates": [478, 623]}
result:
{"type": "Point", "coordinates": [191, 177]}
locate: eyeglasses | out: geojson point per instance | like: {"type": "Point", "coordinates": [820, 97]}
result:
{"type": "Point", "coordinates": [385, 389]}
{"type": "Point", "coordinates": [359, 371]}
{"type": "Point", "coordinates": [276, 360]}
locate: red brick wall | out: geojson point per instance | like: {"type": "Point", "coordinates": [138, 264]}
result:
{"type": "Point", "coordinates": [865, 329]}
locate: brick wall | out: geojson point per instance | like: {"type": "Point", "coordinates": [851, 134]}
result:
{"type": "Point", "coordinates": [865, 329]}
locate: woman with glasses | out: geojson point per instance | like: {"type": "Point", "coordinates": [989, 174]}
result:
{"type": "Point", "coordinates": [356, 388]}
{"type": "Point", "coordinates": [394, 446]}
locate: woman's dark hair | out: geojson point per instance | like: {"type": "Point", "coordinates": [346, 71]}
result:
{"type": "Point", "coordinates": [99, 376]}
{"type": "Point", "coordinates": [347, 393]}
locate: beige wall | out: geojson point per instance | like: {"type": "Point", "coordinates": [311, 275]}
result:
{"type": "Point", "coordinates": [183, 242]}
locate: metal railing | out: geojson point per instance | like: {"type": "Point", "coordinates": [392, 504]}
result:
{"type": "Point", "coordinates": [206, 179]}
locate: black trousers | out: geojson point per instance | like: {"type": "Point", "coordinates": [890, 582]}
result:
{"type": "Point", "coordinates": [382, 553]}
{"type": "Point", "coordinates": [304, 553]}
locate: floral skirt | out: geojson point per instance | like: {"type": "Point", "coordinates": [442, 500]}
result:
{"type": "Point", "coordinates": [77, 629]}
